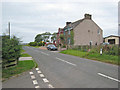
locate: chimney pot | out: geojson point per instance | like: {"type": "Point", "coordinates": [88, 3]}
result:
{"type": "Point", "coordinates": [87, 16]}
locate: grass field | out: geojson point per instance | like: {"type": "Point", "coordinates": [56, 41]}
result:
{"type": "Point", "coordinates": [21, 67]}
{"type": "Point", "coordinates": [94, 56]}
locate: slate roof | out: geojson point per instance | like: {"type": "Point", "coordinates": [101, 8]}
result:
{"type": "Point", "coordinates": [73, 24]}
{"type": "Point", "coordinates": [112, 36]}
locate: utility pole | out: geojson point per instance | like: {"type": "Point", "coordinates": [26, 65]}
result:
{"type": "Point", "coordinates": [9, 28]}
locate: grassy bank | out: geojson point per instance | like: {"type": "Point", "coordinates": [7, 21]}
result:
{"type": "Point", "coordinates": [21, 67]}
{"type": "Point", "coordinates": [94, 56]}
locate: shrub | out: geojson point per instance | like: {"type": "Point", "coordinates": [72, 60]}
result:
{"type": "Point", "coordinates": [11, 49]}
{"type": "Point", "coordinates": [33, 43]}
{"type": "Point", "coordinates": [41, 43]}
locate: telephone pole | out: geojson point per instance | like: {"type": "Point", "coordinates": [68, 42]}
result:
{"type": "Point", "coordinates": [9, 28]}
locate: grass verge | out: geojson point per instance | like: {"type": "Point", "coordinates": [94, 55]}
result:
{"type": "Point", "coordinates": [21, 67]}
{"type": "Point", "coordinates": [94, 56]}
{"type": "Point", "coordinates": [25, 55]}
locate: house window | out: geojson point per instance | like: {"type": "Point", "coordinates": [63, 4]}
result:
{"type": "Point", "coordinates": [69, 32]}
{"type": "Point", "coordinates": [98, 31]}
{"type": "Point", "coordinates": [68, 41]}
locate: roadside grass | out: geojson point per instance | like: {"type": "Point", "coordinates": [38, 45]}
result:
{"type": "Point", "coordinates": [25, 55]}
{"type": "Point", "coordinates": [22, 50]}
{"type": "Point", "coordinates": [94, 56]}
{"type": "Point", "coordinates": [21, 67]}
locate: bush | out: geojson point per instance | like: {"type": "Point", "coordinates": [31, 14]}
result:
{"type": "Point", "coordinates": [63, 46]}
{"type": "Point", "coordinates": [39, 44]}
{"type": "Point", "coordinates": [33, 43]}
{"type": "Point", "coordinates": [11, 50]}
{"type": "Point", "coordinates": [110, 50]}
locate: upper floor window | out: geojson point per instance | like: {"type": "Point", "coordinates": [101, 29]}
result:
{"type": "Point", "coordinates": [98, 31]}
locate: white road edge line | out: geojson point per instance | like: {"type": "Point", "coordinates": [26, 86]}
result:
{"type": "Point", "coordinates": [39, 72]}
{"type": "Point", "coordinates": [41, 75]}
{"type": "Point", "coordinates": [66, 61]}
{"type": "Point", "coordinates": [108, 77]}
{"type": "Point", "coordinates": [32, 77]}
{"type": "Point", "coordinates": [35, 82]}
{"type": "Point", "coordinates": [30, 73]}
{"type": "Point", "coordinates": [37, 86]}
{"type": "Point", "coordinates": [50, 86]}
{"type": "Point", "coordinates": [45, 80]}
{"type": "Point", "coordinates": [37, 68]}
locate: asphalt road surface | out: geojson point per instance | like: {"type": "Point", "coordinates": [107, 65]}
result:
{"type": "Point", "coordinates": [56, 70]}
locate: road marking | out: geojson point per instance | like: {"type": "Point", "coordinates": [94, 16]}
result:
{"type": "Point", "coordinates": [41, 75]}
{"type": "Point", "coordinates": [45, 53]}
{"type": "Point", "coordinates": [31, 73]}
{"type": "Point", "coordinates": [35, 82]}
{"type": "Point", "coordinates": [37, 68]}
{"type": "Point", "coordinates": [37, 86]}
{"type": "Point", "coordinates": [108, 77]}
{"type": "Point", "coordinates": [66, 61]}
{"type": "Point", "coordinates": [32, 77]}
{"type": "Point", "coordinates": [39, 72]}
{"type": "Point", "coordinates": [45, 80]}
{"type": "Point", "coordinates": [50, 86]}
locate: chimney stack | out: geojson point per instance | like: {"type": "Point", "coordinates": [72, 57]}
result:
{"type": "Point", "coordinates": [67, 23]}
{"type": "Point", "coordinates": [88, 16]}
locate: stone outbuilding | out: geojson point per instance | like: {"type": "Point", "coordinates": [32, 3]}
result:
{"type": "Point", "coordinates": [112, 39]}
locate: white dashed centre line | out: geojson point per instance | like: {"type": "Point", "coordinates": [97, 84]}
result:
{"type": "Point", "coordinates": [108, 77]}
{"type": "Point", "coordinates": [66, 61]}
{"type": "Point", "coordinates": [35, 82]}
{"type": "Point", "coordinates": [45, 53]}
{"type": "Point", "coordinates": [41, 75]}
{"type": "Point", "coordinates": [45, 80]}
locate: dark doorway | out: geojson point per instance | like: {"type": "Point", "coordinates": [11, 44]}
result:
{"type": "Point", "coordinates": [111, 41]}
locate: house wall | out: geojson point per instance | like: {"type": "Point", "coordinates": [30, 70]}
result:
{"type": "Point", "coordinates": [87, 31]}
{"type": "Point", "coordinates": [116, 39]}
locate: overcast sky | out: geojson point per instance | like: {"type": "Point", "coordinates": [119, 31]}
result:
{"type": "Point", "coordinates": [31, 17]}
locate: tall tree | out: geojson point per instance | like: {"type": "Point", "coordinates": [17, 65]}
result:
{"type": "Point", "coordinates": [38, 38]}
{"type": "Point", "coordinates": [53, 36]}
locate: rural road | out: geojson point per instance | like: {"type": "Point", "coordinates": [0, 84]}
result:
{"type": "Point", "coordinates": [56, 70]}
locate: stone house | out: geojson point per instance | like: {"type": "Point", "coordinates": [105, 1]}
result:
{"type": "Point", "coordinates": [85, 32]}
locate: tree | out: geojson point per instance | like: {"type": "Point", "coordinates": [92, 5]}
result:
{"type": "Point", "coordinates": [46, 33]}
{"type": "Point", "coordinates": [42, 37]}
{"type": "Point", "coordinates": [53, 37]}
{"type": "Point", "coordinates": [46, 38]}
{"type": "Point", "coordinates": [38, 38]}
{"type": "Point", "coordinates": [33, 44]}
